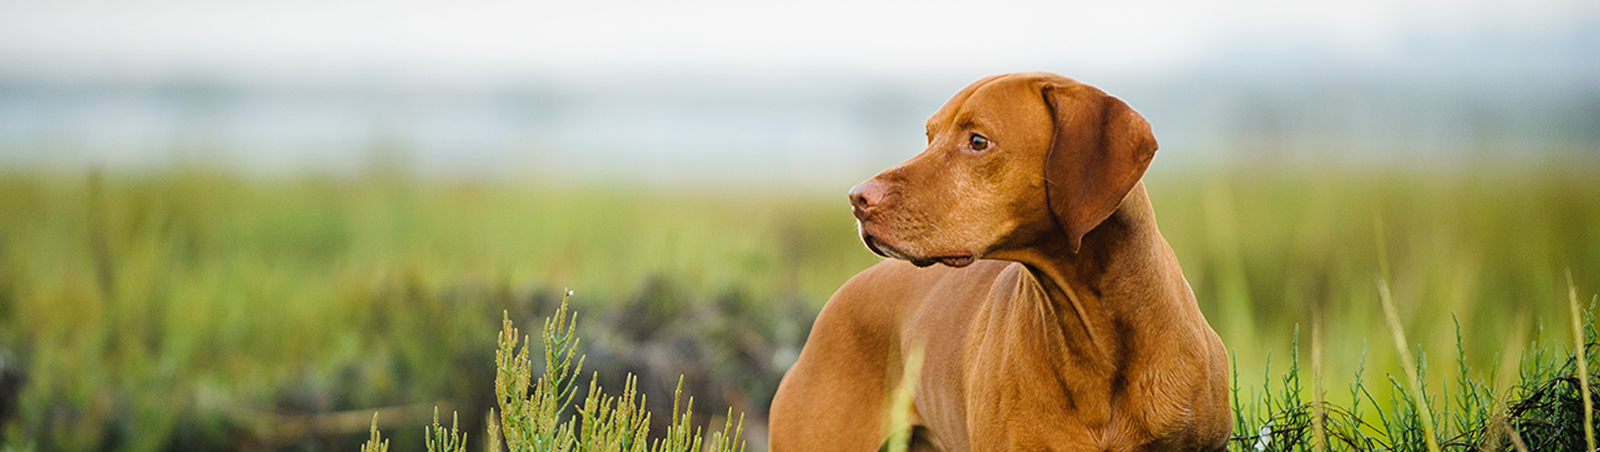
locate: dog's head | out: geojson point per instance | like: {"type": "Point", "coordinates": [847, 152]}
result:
{"type": "Point", "coordinates": [1012, 161]}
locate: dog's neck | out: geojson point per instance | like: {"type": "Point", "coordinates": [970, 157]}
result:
{"type": "Point", "coordinates": [1107, 295]}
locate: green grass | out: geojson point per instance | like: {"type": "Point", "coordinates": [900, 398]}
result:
{"type": "Point", "coordinates": [1544, 410]}
{"type": "Point", "coordinates": [190, 309]}
{"type": "Point", "coordinates": [1540, 413]}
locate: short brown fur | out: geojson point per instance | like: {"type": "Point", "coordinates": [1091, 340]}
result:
{"type": "Point", "coordinates": [1060, 319]}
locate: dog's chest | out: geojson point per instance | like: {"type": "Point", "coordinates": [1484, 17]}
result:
{"type": "Point", "coordinates": [1027, 385]}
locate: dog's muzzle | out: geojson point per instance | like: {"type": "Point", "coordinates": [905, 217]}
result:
{"type": "Point", "coordinates": [881, 248]}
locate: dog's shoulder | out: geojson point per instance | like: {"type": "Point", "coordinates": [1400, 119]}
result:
{"type": "Point", "coordinates": [878, 293]}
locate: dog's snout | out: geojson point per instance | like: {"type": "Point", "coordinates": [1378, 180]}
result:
{"type": "Point", "coordinates": [864, 196]}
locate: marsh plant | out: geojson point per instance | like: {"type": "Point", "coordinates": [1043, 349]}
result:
{"type": "Point", "coordinates": [1545, 411]}
{"type": "Point", "coordinates": [533, 414]}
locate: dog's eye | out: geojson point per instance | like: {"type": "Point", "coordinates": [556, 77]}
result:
{"type": "Point", "coordinates": [979, 143]}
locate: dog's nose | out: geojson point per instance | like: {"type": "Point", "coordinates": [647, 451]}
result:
{"type": "Point", "coordinates": [864, 196]}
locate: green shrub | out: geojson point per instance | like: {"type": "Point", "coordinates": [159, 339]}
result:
{"type": "Point", "coordinates": [538, 421]}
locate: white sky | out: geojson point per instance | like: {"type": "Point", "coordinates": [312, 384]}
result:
{"type": "Point", "coordinates": [490, 38]}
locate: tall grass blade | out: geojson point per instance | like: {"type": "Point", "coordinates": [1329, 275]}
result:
{"type": "Point", "coordinates": [1509, 359]}
{"type": "Point", "coordinates": [1383, 246]}
{"type": "Point", "coordinates": [1582, 358]}
{"type": "Point", "coordinates": [1319, 413]}
{"type": "Point", "coordinates": [1423, 411]}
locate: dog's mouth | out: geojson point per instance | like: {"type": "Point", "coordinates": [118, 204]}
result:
{"type": "Point", "coordinates": [881, 248]}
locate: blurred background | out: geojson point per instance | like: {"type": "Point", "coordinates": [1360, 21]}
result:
{"type": "Point", "coordinates": [250, 225]}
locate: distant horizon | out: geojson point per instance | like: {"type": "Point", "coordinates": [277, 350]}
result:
{"type": "Point", "coordinates": [788, 92]}
{"type": "Point", "coordinates": [728, 129]}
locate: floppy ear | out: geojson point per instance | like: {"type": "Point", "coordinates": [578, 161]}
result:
{"type": "Point", "coordinates": [1100, 150]}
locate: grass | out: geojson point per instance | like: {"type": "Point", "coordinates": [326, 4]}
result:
{"type": "Point", "coordinates": [1542, 414]}
{"type": "Point", "coordinates": [1545, 411]}
{"type": "Point", "coordinates": [1580, 341]}
{"type": "Point", "coordinates": [1413, 381]}
{"type": "Point", "coordinates": [195, 310]}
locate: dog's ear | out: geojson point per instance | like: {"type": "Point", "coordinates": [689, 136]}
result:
{"type": "Point", "coordinates": [1100, 150]}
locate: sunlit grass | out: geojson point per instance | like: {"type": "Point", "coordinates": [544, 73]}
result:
{"type": "Point", "coordinates": [191, 309]}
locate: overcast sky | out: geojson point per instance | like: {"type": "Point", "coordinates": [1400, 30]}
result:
{"type": "Point", "coordinates": [461, 39]}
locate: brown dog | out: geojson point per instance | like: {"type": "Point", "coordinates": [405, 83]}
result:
{"type": "Point", "coordinates": [1089, 339]}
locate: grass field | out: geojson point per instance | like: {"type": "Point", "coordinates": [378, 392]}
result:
{"type": "Point", "coordinates": [193, 310]}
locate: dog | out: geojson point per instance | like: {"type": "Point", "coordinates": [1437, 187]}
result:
{"type": "Point", "coordinates": [1027, 268]}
